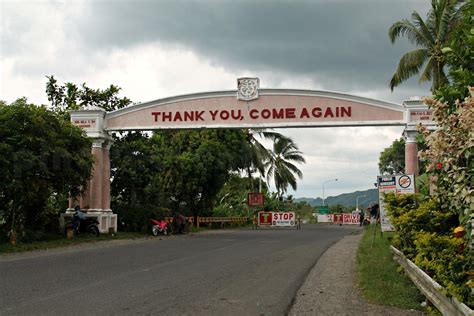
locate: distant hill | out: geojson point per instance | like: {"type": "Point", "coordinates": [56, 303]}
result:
{"type": "Point", "coordinates": [346, 199]}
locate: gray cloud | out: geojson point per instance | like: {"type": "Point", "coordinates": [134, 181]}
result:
{"type": "Point", "coordinates": [341, 43]}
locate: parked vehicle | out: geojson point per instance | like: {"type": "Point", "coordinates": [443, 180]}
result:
{"type": "Point", "coordinates": [159, 227]}
{"type": "Point", "coordinates": [82, 224]}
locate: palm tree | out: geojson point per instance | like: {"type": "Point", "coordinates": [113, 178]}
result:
{"type": "Point", "coordinates": [430, 36]}
{"type": "Point", "coordinates": [258, 154]}
{"type": "Point", "coordinates": [280, 165]}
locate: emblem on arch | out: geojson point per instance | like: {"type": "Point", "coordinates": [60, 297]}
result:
{"type": "Point", "coordinates": [247, 88]}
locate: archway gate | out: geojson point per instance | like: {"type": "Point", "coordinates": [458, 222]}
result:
{"type": "Point", "coordinates": [247, 107]}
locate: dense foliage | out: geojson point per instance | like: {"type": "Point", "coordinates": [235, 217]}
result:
{"type": "Point", "coordinates": [42, 158]}
{"type": "Point", "coordinates": [451, 151]}
{"type": "Point", "coordinates": [197, 164]}
{"type": "Point", "coordinates": [425, 235]}
{"type": "Point", "coordinates": [173, 171]}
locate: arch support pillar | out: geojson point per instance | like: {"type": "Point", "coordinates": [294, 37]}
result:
{"type": "Point", "coordinates": [95, 200]}
{"type": "Point", "coordinates": [411, 152]}
{"type": "Point", "coordinates": [416, 112]}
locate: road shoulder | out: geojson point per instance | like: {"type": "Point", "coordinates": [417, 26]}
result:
{"type": "Point", "coordinates": [329, 288]}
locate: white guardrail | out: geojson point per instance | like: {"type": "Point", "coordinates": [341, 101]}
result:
{"type": "Point", "coordinates": [430, 288]}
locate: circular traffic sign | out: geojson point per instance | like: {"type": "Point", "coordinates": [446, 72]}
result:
{"type": "Point", "coordinates": [404, 181]}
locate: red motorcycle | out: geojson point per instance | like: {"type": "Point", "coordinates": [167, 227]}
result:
{"type": "Point", "coordinates": [159, 227]}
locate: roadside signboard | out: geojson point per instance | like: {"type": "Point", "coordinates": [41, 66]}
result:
{"type": "Point", "coordinates": [255, 199]}
{"type": "Point", "coordinates": [283, 219]}
{"type": "Point", "coordinates": [350, 219]}
{"type": "Point", "coordinates": [344, 218]}
{"type": "Point", "coordinates": [276, 219]}
{"type": "Point", "coordinates": [324, 218]}
{"type": "Point", "coordinates": [398, 184]}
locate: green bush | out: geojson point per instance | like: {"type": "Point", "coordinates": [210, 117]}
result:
{"type": "Point", "coordinates": [424, 233]}
{"type": "Point", "coordinates": [440, 257]}
{"type": "Point", "coordinates": [410, 216]}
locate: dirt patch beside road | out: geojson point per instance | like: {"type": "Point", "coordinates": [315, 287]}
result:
{"type": "Point", "coordinates": [329, 288]}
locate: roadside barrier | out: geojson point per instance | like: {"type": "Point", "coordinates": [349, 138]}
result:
{"type": "Point", "coordinates": [210, 220]}
{"type": "Point", "coordinates": [222, 220]}
{"type": "Point", "coordinates": [430, 288]}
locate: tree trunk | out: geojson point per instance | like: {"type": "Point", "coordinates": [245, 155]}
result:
{"type": "Point", "coordinates": [13, 228]}
{"type": "Point", "coordinates": [249, 173]}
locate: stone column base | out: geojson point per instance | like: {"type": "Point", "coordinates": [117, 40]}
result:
{"type": "Point", "coordinates": [107, 220]}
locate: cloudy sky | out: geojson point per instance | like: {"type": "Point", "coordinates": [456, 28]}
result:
{"type": "Point", "coordinates": [157, 49]}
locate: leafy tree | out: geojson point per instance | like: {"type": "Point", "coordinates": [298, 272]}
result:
{"type": "Point", "coordinates": [430, 36]}
{"type": "Point", "coordinates": [280, 165]}
{"type": "Point", "coordinates": [71, 97]}
{"type": "Point", "coordinates": [41, 155]}
{"type": "Point", "coordinates": [195, 166]}
{"type": "Point", "coordinates": [392, 159]}
{"type": "Point", "coordinates": [131, 168]}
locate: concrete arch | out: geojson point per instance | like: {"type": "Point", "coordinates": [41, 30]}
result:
{"type": "Point", "coordinates": [266, 108]}
{"type": "Point", "coordinates": [273, 108]}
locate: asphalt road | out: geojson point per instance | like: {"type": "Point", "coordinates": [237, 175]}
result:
{"type": "Point", "coordinates": [240, 272]}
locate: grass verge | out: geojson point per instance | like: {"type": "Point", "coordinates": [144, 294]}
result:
{"type": "Point", "coordinates": [56, 241]}
{"type": "Point", "coordinates": [378, 276]}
